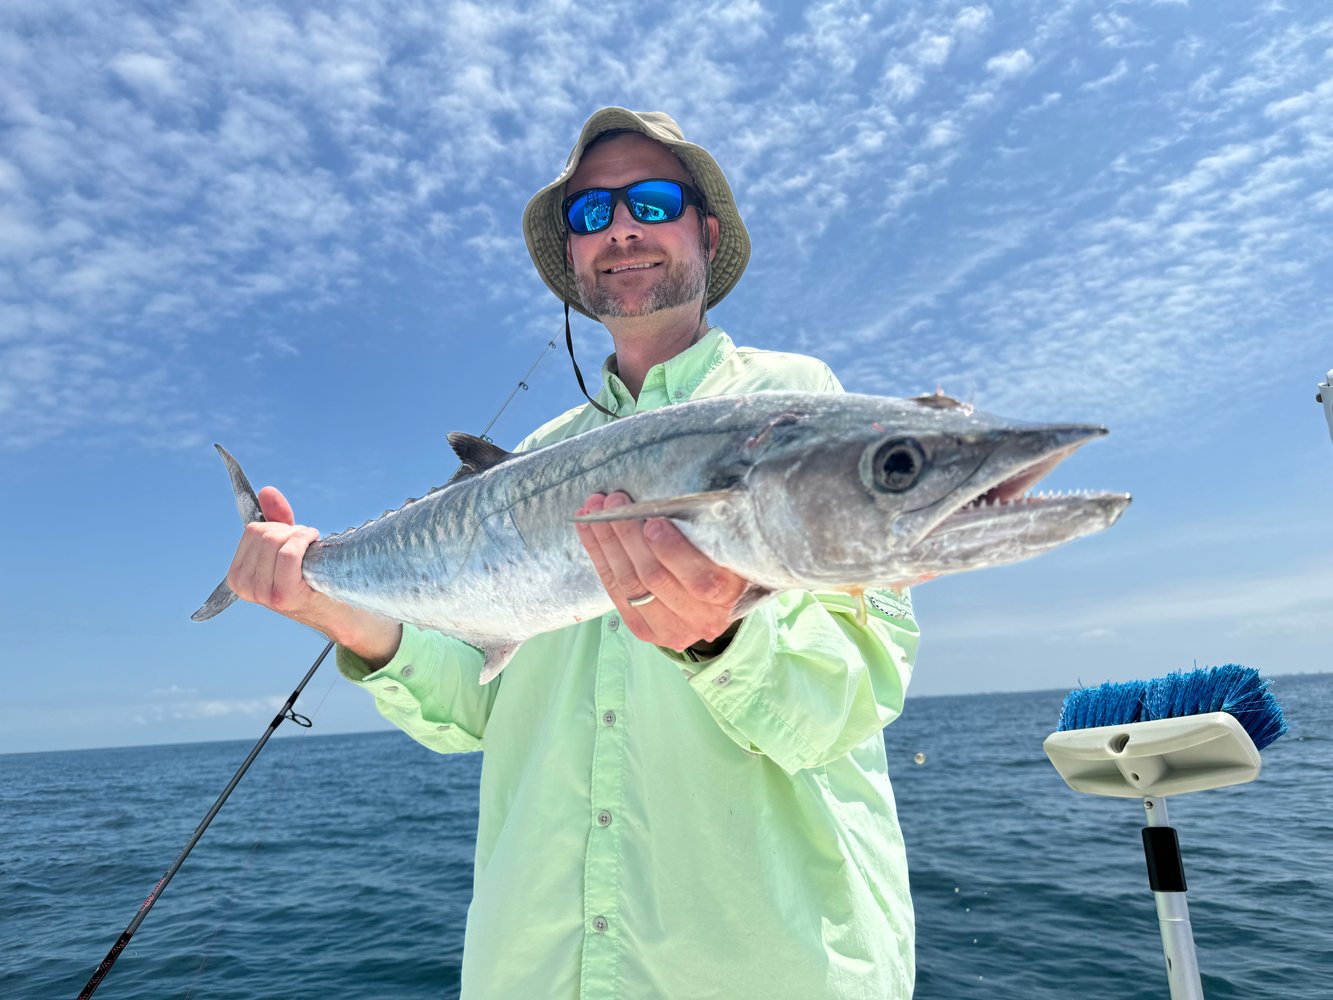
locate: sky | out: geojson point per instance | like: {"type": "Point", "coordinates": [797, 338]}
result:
{"type": "Point", "coordinates": [294, 229]}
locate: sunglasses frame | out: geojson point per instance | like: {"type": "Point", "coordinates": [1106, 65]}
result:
{"type": "Point", "coordinates": [688, 196]}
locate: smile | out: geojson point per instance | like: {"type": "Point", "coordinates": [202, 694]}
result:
{"type": "Point", "coordinates": [621, 268]}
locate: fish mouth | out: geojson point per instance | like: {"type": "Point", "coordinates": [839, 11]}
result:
{"type": "Point", "coordinates": [1013, 495]}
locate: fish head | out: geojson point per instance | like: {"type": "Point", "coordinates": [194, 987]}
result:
{"type": "Point", "coordinates": [848, 493]}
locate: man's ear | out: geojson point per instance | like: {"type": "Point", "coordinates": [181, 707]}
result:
{"type": "Point", "coordinates": [714, 231]}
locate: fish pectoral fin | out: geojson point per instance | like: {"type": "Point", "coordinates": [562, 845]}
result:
{"type": "Point", "coordinates": [681, 508]}
{"type": "Point", "coordinates": [497, 658]}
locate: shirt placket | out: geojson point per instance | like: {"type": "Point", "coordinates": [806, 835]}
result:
{"type": "Point", "coordinates": [603, 933]}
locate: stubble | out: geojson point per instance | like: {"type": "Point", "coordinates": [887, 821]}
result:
{"type": "Point", "coordinates": [681, 282]}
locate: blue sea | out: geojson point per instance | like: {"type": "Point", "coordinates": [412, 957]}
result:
{"type": "Point", "coordinates": [342, 865]}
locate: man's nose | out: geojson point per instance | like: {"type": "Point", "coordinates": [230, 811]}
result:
{"type": "Point", "coordinates": [623, 224]}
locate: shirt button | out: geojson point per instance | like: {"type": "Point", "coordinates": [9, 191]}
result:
{"type": "Point", "coordinates": [723, 679]}
{"type": "Point", "coordinates": [679, 394]}
{"type": "Point", "coordinates": [608, 718]}
{"type": "Point", "coordinates": [600, 925]}
{"type": "Point", "coordinates": [408, 671]}
{"type": "Point", "coordinates": [613, 624]}
{"type": "Point", "coordinates": [603, 818]}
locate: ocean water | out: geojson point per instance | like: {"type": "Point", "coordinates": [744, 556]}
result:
{"type": "Point", "coordinates": [342, 865]}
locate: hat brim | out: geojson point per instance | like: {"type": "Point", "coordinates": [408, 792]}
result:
{"type": "Point", "coordinates": [544, 227]}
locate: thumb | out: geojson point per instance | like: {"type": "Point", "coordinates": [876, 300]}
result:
{"type": "Point", "coordinates": [275, 506]}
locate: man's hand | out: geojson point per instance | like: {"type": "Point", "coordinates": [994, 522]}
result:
{"type": "Point", "coordinates": [692, 595]}
{"type": "Point", "coordinates": [266, 570]}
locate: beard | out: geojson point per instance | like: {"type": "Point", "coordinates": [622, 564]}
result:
{"type": "Point", "coordinates": [679, 282]}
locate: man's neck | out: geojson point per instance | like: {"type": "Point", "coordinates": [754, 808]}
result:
{"type": "Point", "coordinates": [644, 341]}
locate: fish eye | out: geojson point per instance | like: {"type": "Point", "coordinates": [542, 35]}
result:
{"type": "Point", "coordinates": [897, 465]}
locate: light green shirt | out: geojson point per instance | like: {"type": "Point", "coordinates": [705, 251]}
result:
{"type": "Point", "coordinates": [653, 827]}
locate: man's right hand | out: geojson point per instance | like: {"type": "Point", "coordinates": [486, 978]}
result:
{"type": "Point", "coordinates": [266, 570]}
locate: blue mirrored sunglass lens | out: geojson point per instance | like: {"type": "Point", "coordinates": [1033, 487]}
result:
{"type": "Point", "coordinates": [655, 201]}
{"type": "Point", "coordinates": [590, 212]}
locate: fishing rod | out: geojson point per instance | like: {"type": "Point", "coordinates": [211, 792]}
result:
{"type": "Point", "coordinates": [522, 384]}
{"type": "Point", "coordinates": [284, 714]}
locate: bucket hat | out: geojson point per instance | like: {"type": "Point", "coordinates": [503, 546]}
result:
{"type": "Point", "coordinates": [544, 225]}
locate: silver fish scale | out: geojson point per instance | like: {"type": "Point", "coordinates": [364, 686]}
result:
{"type": "Point", "coordinates": [495, 555]}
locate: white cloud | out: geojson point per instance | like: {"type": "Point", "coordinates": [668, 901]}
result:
{"type": "Point", "coordinates": [901, 83]}
{"type": "Point", "coordinates": [933, 49]}
{"type": "Point", "coordinates": [1118, 73]}
{"type": "Point", "coordinates": [150, 75]}
{"type": "Point", "coordinates": [1116, 30]}
{"type": "Point", "coordinates": [191, 709]}
{"type": "Point", "coordinates": [971, 20]}
{"type": "Point", "coordinates": [1010, 64]}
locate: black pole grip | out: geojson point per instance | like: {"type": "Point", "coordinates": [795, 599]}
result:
{"type": "Point", "coordinates": [1161, 848]}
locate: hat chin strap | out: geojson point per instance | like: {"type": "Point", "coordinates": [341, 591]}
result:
{"type": "Point", "coordinates": [708, 256]}
{"type": "Point", "coordinates": [569, 337]}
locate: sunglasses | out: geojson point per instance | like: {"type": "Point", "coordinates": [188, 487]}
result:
{"type": "Point", "coordinates": [651, 201]}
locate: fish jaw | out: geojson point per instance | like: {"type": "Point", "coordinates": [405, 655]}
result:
{"type": "Point", "coordinates": [827, 510]}
{"type": "Point", "coordinates": [997, 532]}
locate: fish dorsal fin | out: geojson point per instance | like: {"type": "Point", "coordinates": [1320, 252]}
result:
{"type": "Point", "coordinates": [938, 400]}
{"type": "Point", "coordinates": [476, 453]}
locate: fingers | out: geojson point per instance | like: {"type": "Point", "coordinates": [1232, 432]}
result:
{"type": "Point", "coordinates": [275, 506]}
{"type": "Point", "coordinates": [618, 575]}
{"type": "Point", "coordinates": [642, 572]}
{"type": "Point", "coordinates": [608, 558]}
{"type": "Point", "coordinates": [628, 564]}
{"type": "Point", "coordinates": [267, 566]}
{"type": "Point", "coordinates": [266, 569]}
{"type": "Point", "coordinates": [697, 574]}
{"type": "Point", "coordinates": [692, 595]}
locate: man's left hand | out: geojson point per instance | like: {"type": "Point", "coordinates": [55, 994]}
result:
{"type": "Point", "coordinates": [692, 596]}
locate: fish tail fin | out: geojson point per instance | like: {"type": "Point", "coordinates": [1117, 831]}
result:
{"type": "Point", "coordinates": [247, 505]}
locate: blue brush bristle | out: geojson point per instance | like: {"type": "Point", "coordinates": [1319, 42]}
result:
{"type": "Point", "coordinates": [1239, 691]}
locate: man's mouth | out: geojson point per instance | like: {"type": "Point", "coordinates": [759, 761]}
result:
{"type": "Point", "coordinates": [622, 268]}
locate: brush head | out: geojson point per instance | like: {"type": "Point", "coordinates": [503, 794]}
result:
{"type": "Point", "coordinates": [1238, 691]}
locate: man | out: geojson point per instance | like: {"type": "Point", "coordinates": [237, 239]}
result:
{"type": "Point", "coordinates": [700, 808]}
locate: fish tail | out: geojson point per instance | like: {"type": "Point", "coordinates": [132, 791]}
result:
{"type": "Point", "coordinates": [247, 505]}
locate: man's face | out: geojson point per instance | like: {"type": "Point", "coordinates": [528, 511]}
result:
{"type": "Point", "coordinates": [609, 266]}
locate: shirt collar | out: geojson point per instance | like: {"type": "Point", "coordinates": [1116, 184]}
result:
{"type": "Point", "coordinates": [673, 381]}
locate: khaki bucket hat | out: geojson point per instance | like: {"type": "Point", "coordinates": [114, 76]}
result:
{"type": "Point", "coordinates": [544, 225]}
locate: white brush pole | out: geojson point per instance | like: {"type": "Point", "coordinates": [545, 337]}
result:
{"type": "Point", "coordinates": [1325, 396]}
{"type": "Point", "coordinates": [1167, 877]}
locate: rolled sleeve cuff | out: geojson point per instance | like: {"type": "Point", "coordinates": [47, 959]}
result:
{"type": "Point", "coordinates": [732, 685]}
{"type": "Point", "coordinates": [407, 689]}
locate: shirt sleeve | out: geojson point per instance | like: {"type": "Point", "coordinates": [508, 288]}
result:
{"type": "Point", "coordinates": [803, 682]}
{"type": "Point", "coordinates": [430, 689]}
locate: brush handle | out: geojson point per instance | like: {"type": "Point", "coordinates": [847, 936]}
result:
{"type": "Point", "coordinates": [1166, 876]}
{"type": "Point", "coordinates": [1325, 396]}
